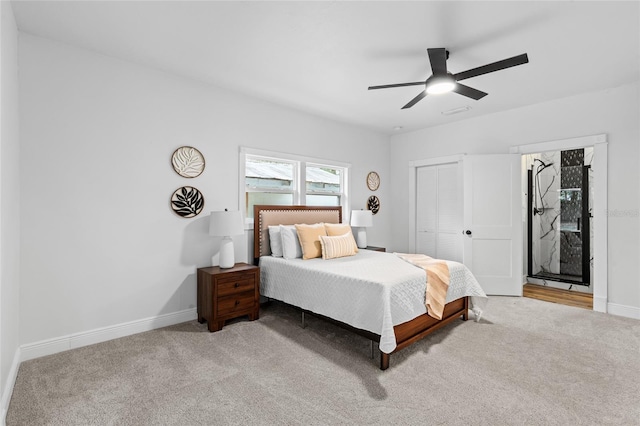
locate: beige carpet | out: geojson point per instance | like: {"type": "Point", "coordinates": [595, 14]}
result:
{"type": "Point", "coordinates": [527, 362]}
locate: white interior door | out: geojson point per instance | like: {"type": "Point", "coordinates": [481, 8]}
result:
{"type": "Point", "coordinates": [492, 235]}
{"type": "Point", "coordinates": [439, 211]}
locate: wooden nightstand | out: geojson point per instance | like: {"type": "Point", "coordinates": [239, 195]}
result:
{"type": "Point", "coordinates": [374, 248]}
{"type": "Point", "coordinates": [229, 293]}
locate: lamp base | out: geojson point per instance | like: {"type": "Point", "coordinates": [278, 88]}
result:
{"type": "Point", "coordinates": [361, 237]}
{"type": "Point", "coordinates": [227, 255]}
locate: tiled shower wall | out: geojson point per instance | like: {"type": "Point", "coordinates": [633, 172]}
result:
{"type": "Point", "coordinates": [546, 236]}
{"type": "Point", "coordinates": [549, 226]}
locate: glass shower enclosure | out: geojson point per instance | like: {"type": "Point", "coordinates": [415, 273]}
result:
{"type": "Point", "coordinates": [559, 216]}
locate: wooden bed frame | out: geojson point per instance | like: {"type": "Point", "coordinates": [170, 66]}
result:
{"type": "Point", "coordinates": [406, 333]}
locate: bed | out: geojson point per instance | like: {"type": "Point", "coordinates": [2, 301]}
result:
{"type": "Point", "coordinates": [377, 295]}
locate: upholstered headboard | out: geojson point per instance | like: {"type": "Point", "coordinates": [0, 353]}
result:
{"type": "Point", "coordinates": [264, 216]}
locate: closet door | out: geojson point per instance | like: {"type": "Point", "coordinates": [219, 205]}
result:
{"type": "Point", "coordinates": [439, 211]}
{"type": "Point", "coordinates": [492, 243]}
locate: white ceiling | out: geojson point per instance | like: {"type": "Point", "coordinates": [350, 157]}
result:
{"type": "Point", "coordinates": [321, 56]}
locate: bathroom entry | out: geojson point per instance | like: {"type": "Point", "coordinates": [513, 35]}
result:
{"type": "Point", "coordinates": [559, 212]}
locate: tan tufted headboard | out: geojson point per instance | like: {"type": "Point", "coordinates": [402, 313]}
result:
{"type": "Point", "coordinates": [264, 216]}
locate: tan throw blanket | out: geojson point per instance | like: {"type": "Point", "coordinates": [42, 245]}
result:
{"type": "Point", "coordinates": [437, 281]}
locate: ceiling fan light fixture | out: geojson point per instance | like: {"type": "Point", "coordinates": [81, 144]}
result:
{"type": "Point", "coordinates": [438, 84]}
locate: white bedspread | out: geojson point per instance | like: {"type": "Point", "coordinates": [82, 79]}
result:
{"type": "Point", "coordinates": [371, 291]}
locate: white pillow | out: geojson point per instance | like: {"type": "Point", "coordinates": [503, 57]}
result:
{"type": "Point", "coordinates": [291, 248]}
{"type": "Point", "coordinates": [275, 240]}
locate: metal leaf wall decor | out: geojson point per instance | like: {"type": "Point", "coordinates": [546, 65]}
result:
{"type": "Point", "coordinates": [187, 201]}
{"type": "Point", "coordinates": [373, 181]}
{"type": "Point", "coordinates": [187, 161]}
{"type": "Point", "coordinates": [373, 204]}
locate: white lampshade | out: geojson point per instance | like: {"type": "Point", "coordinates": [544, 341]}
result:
{"type": "Point", "coordinates": [225, 224]}
{"type": "Point", "coordinates": [361, 218]}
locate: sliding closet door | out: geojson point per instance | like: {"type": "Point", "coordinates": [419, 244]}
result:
{"type": "Point", "coordinates": [439, 211]}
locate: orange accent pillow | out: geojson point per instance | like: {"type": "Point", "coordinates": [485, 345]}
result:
{"type": "Point", "coordinates": [309, 236]}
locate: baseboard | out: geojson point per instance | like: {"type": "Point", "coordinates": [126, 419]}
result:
{"type": "Point", "coordinates": [7, 390]}
{"type": "Point", "coordinates": [78, 340]}
{"type": "Point", "coordinates": [599, 304]}
{"type": "Point", "coordinates": [623, 310]}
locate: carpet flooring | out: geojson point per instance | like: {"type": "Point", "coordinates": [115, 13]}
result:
{"type": "Point", "coordinates": [526, 362]}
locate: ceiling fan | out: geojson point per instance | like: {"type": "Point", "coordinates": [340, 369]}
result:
{"type": "Point", "coordinates": [442, 81]}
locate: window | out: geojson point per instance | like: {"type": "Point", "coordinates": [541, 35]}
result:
{"type": "Point", "coordinates": [281, 179]}
{"type": "Point", "coordinates": [323, 185]}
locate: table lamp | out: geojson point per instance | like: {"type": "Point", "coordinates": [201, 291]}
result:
{"type": "Point", "coordinates": [226, 224]}
{"type": "Point", "coordinates": [361, 219]}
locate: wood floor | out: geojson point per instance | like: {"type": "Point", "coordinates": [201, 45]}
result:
{"type": "Point", "coordinates": [556, 295]}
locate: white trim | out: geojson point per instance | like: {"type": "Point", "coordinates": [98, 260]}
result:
{"type": "Point", "coordinates": [600, 304]}
{"type": "Point", "coordinates": [412, 207]}
{"type": "Point", "coordinates": [299, 190]}
{"type": "Point", "coordinates": [600, 224]}
{"type": "Point", "coordinates": [413, 165]}
{"type": "Point", "coordinates": [7, 392]}
{"type": "Point", "coordinates": [559, 145]}
{"type": "Point", "coordinates": [293, 157]}
{"type": "Point", "coordinates": [436, 161]}
{"type": "Point", "coordinates": [77, 340]}
{"type": "Point", "coordinates": [600, 227]}
{"type": "Point", "coordinates": [623, 310]}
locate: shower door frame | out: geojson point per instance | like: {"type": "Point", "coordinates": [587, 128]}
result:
{"type": "Point", "coordinates": [585, 277]}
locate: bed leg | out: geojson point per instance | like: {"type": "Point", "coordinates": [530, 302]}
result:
{"type": "Point", "coordinates": [465, 314]}
{"type": "Point", "coordinates": [304, 324]}
{"type": "Point", "coordinates": [384, 361]}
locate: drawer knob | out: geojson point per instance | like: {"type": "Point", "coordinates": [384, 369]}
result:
{"type": "Point", "coordinates": [236, 285]}
{"type": "Point", "coordinates": [237, 302]}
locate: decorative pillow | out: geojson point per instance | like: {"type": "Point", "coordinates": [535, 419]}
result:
{"type": "Point", "coordinates": [340, 246]}
{"type": "Point", "coordinates": [275, 241]}
{"type": "Point", "coordinates": [309, 236]}
{"type": "Point", "coordinates": [290, 244]}
{"type": "Point", "coordinates": [339, 229]}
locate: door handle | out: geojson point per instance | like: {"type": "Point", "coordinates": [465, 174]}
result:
{"type": "Point", "coordinates": [468, 232]}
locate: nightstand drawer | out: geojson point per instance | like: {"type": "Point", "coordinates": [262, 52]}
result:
{"type": "Point", "coordinates": [238, 285]}
{"type": "Point", "coordinates": [236, 302]}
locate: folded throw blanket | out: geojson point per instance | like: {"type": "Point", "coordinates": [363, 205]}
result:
{"type": "Point", "coordinates": [437, 281]}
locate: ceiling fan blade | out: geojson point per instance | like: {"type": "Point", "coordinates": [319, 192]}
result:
{"type": "Point", "coordinates": [495, 66]}
{"type": "Point", "coordinates": [388, 86]}
{"type": "Point", "coordinates": [415, 100]}
{"type": "Point", "coordinates": [469, 92]}
{"type": "Point", "coordinates": [438, 59]}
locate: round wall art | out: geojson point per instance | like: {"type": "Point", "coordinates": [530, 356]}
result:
{"type": "Point", "coordinates": [187, 201]}
{"type": "Point", "coordinates": [187, 161]}
{"type": "Point", "coordinates": [373, 181]}
{"type": "Point", "coordinates": [373, 204]}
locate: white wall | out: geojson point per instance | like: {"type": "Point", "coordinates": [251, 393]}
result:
{"type": "Point", "coordinates": [100, 244]}
{"type": "Point", "coordinates": [614, 112]}
{"type": "Point", "coordinates": [9, 204]}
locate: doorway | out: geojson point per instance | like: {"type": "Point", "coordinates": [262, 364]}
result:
{"type": "Point", "coordinates": [599, 223]}
{"type": "Point", "coordinates": [559, 212]}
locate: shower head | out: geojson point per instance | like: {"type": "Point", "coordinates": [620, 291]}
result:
{"type": "Point", "coordinates": [543, 165]}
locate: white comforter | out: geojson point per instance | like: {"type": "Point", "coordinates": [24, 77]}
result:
{"type": "Point", "coordinates": [372, 291]}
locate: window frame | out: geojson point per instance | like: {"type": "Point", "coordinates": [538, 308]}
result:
{"type": "Point", "coordinates": [299, 188]}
